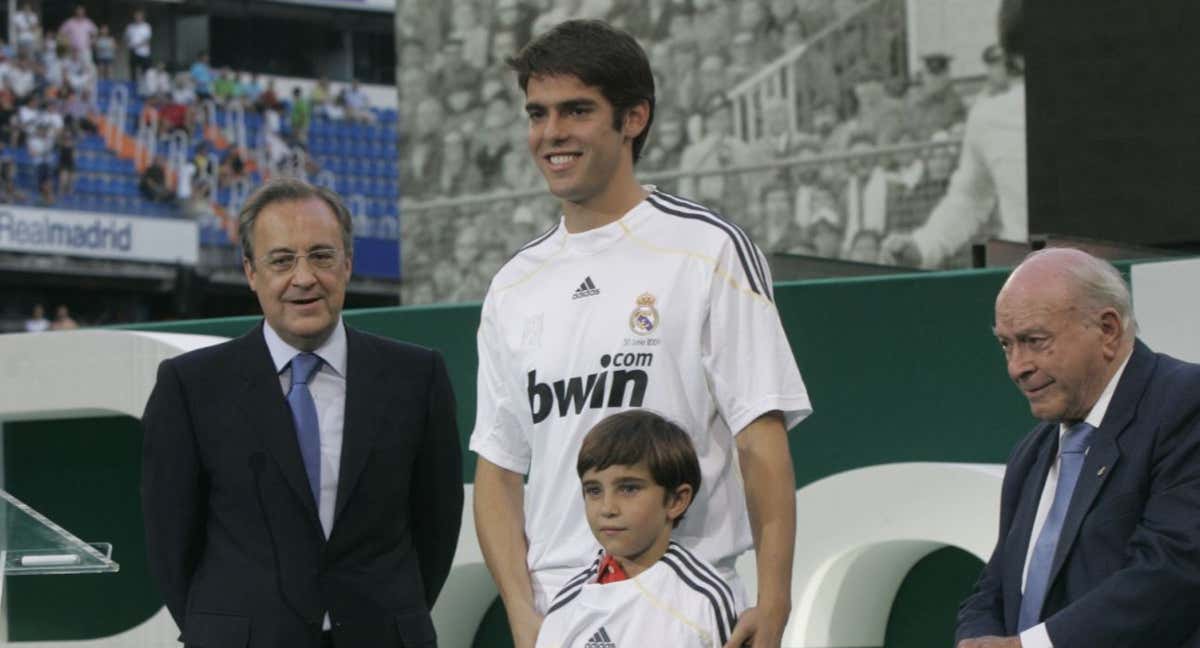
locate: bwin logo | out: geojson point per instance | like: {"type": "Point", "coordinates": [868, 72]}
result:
{"type": "Point", "coordinates": [572, 394]}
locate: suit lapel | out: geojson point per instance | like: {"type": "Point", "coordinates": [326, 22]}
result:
{"type": "Point", "coordinates": [1104, 451]}
{"type": "Point", "coordinates": [263, 404]}
{"type": "Point", "coordinates": [1022, 526]}
{"type": "Point", "coordinates": [364, 398]}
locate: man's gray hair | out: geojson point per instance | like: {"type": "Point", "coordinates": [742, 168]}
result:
{"type": "Point", "coordinates": [289, 190]}
{"type": "Point", "coordinates": [1099, 285]}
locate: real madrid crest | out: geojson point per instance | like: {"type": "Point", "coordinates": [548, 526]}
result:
{"type": "Point", "coordinates": [644, 318]}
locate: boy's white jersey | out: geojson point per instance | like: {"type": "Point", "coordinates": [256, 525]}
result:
{"type": "Point", "coordinates": [668, 309]}
{"type": "Point", "coordinates": [680, 602]}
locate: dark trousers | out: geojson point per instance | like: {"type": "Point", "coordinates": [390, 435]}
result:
{"type": "Point", "coordinates": [327, 639]}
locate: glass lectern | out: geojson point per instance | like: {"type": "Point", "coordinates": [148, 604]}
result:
{"type": "Point", "coordinates": [32, 544]}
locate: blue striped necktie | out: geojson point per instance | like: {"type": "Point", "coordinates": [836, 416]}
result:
{"type": "Point", "coordinates": [1037, 582]}
{"type": "Point", "coordinates": [304, 415]}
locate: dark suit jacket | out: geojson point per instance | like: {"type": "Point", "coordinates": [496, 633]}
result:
{"type": "Point", "coordinates": [1127, 569]}
{"type": "Point", "coordinates": [232, 532]}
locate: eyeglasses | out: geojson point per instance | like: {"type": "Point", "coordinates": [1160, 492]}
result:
{"type": "Point", "coordinates": [284, 262]}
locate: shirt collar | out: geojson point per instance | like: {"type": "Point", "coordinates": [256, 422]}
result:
{"type": "Point", "coordinates": [332, 351]}
{"type": "Point", "coordinates": [1096, 416]}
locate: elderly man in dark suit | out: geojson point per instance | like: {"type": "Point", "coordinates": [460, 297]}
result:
{"type": "Point", "coordinates": [301, 484]}
{"type": "Point", "coordinates": [1099, 542]}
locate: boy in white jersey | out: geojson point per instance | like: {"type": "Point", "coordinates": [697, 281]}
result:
{"type": "Point", "coordinates": [636, 299]}
{"type": "Point", "coordinates": [639, 473]}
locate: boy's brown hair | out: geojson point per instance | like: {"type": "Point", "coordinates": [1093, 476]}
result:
{"type": "Point", "coordinates": [635, 436]}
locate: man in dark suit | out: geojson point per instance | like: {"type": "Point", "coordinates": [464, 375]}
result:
{"type": "Point", "coordinates": [1099, 542]}
{"type": "Point", "coordinates": [301, 484]}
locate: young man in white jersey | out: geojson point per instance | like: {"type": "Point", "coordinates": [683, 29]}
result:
{"type": "Point", "coordinates": [635, 299]}
{"type": "Point", "coordinates": [639, 473]}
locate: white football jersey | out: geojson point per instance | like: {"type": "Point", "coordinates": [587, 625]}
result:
{"type": "Point", "coordinates": [680, 602]}
{"type": "Point", "coordinates": [668, 309]}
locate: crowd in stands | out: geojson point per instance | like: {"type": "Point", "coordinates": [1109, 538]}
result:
{"type": "Point", "coordinates": [38, 323]}
{"type": "Point", "coordinates": [872, 157]}
{"type": "Point", "coordinates": [56, 88]}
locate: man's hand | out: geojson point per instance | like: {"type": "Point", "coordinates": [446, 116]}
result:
{"type": "Point", "coordinates": [759, 627]}
{"type": "Point", "coordinates": [901, 250]}
{"type": "Point", "coordinates": [990, 642]}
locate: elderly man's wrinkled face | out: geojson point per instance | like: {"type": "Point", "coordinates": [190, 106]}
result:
{"type": "Point", "coordinates": [1053, 347]}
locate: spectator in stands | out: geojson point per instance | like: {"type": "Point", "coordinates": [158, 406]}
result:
{"type": "Point", "coordinates": [419, 175]}
{"type": "Point", "coordinates": [224, 86]}
{"type": "Point", "coordinates": [153, 183]}
{"type": "Point", "coordinates": [712, 76]}
{"type": "Point", "coordinates": [743, 56]}
{"type": "Point", "coordinates": [268, 99]}
{"type": "Point", "coordinates": [936, 104]}
{"type": "Point", "coordinates": [358, 107]}
{"type": "Point", "coordinates": [503, 44]}
{"type": "Point", "coordinates": [155, 81]}
{"type": "Point", "coordinates": [865, 247]}
{"type": "Point", "coordinates": [79, 32]}
{"type": "Point", "coordinates": [105, 52]}
{"type": "Point", "coordinates": [754, 18]}
{"type": "Point", "coordinates": [322, 98]}
{"type": "Point", "coordinates": [997, 70]}
{"type": "Point", "coordinates": [138, 35]}
{"type": "Point", "coordinates": [718, 148]}
{"type": "Point", "coordinates": [66, 160]}
{"type": "Point", "coordinates": [37, 322]}
{"type": "Point", "coordinates": [299, 115]}
{"type": "Point", "coordinates": [8, 173]}
{"type": "Point", "coordinates": [202, 76]}
{"type": "Point", "coordinates": [913, 208]}
{"type": "Point", "coordinates": [649, 20]}
{"type": "Point", "coordinates": [233, 167]}
{"type": "Point", "coordinates": [826, 237]}
{"type": "Point", "coordinates": [454, 70]}
{"type": "Point", "coordinates": [777, 215]}
{"type": "Point", "coordinates": [515, 17]}
{"type": "Point", "coordinates": [991, 170]}
{"type": "Point", "coordinates": [27, 30]}
{"type": "Point", "coordinates": [175, 115]}
{"type": "Point", "coordinates": [683, 89]}
{"type": "Point", "coordinates": [493, 142]}
{"type": "Point", "coordinates": [80, 73]}
{"type": "Point", "coordinates": [456, 176]}
{"type": "Point", "coordinates": [41, 132]}
{"type": "Point", "coordinates": [713, 25]}
{"type": "Point", "coordinates": [664, 150]}
{"type": "Point", "coordinates": [249, 89]}
{"type": "Point", "coordinates": [21, 81]}
{"type": "Point", "coordinates": [465, 27]}
{"type": "Point", "coordinates": [63, 320]}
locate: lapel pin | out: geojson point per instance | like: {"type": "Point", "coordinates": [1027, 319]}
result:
{"type": "Point", "coordinates": [1100, 473]}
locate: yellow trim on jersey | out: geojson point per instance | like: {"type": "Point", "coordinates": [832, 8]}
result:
{"type": "Point", "coordinates": [562, 246]}
{"type": "Point", "coordinates": [733, 282]}
{"type": "Point", "coordinates": [704, 637]}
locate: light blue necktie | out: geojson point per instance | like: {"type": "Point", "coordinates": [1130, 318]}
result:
{"type": "Point", "coordinates": [304, 415]}
{"type": "Point", "coordinates": [1037, 581]}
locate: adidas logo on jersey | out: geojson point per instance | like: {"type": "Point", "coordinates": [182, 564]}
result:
{"type": "Point", "coordinates": [600, 640]}
{"type": "Point", "coordinates": [573, 394]}
{"type": "Point", "coordinates": [586, 289]}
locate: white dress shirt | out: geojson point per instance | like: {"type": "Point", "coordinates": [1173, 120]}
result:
{"type": "Point", "coordinates": [1037, 637]}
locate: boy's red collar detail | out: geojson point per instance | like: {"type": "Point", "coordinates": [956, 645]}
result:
{"type": "Point", "coordinates": [610, 570]}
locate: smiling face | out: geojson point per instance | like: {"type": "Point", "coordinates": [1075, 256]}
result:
{"type": "Point", "coordinates": [1058, 353]}
{"type": "Point", "coordinates": [631, 515]}
{"type": "Point", "coordinates": [585, 160]}
{"type": "Point", "coordinates": [304, 304]}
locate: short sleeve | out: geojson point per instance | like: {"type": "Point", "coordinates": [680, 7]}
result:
{"type": "Point", "coordinates": [746, 353]}
{"type": "Point", "coordinates": [499, 436]}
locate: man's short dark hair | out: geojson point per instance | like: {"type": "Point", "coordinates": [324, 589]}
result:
{"type": "Point", "coordinates": [599, 55]}
{"type": "Point", "coordinates": [290, 190]}
{"type": "Point", "coordinates": [636, 436]}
